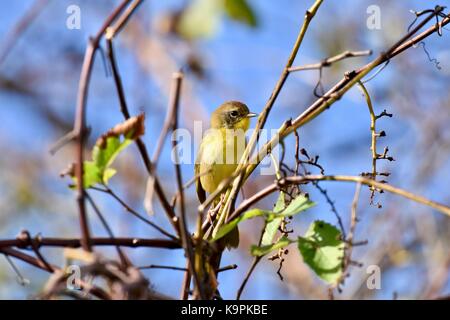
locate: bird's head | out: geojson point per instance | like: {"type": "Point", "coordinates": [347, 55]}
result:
{"type": "Point", "coordinates": [232, 115]}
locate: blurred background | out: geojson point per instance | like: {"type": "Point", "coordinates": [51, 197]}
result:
{"type": "Point", "coordinates": [228, 56]}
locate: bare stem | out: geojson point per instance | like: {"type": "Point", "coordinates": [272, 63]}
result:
{"type": "Point", "coordinates": [80, 120]}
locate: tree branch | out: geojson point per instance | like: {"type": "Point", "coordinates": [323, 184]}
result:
{"type": "Point", "coordinates": [356, 179]}
{"type": "Point", "coordinates": [39, 242]}
{"type": "Point", "coordinates": [80, 120]}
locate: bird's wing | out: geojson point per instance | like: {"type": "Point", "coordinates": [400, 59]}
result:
{"type": "Point", "coordinates": [201, 194]}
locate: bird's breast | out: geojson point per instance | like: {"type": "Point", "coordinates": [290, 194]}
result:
{"type": "Point", "coordinates": [220, 153]}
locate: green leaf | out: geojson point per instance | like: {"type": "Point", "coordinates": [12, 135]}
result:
{"type": "Point", "coordinates": [241, 11]}
{"type": "Point", "coordinates": [263, 250]}
{"type": "Point", "coordinates": [201, 19]}
{"type": "Point", "coordinates": [104, 156]}
{"type": "Point", "coordinates": [270, 231]}
{"type": "Point", "coordinates": [299, 204]}
{"type": "Point", "coordinates": [92, 174]}
{"type": "Point", "coordinates": [273, 219]}
{"type": "Point", "coordinates": [108, 174]}
{"type": "Point", "coordinates": [272, 226]}
{"type": "Point", "coordinates": [231, 225]}
{"type": "Point", "coordinates": [322, 250]}
{"type": "Point", "coordinates": [106, 150]}
{"type": "Point", "coordinates": [281, 204]}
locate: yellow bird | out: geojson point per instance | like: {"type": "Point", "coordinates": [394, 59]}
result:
{"type": "Point", "coordinates": [221, 149]}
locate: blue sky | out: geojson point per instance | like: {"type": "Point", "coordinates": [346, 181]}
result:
{"type": "Point", "coordinates": [242, 64]}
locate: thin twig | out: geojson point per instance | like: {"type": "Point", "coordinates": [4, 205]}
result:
{"type": "Point", "coordinates": [157, 266]}
{"type": "Point", "coordinates": [125, 111]}
{"type": "Point", "coordinates": [135, 213]}
{"type": "Point", "coordinates": [184, 231]}
{"type": "Point", "coordinates": [329, 61]}
{"type": "Point", "coordinates": [186, 284]}
{"type": "Point", "coordinates": [188, 184]}
{"type": "Point", "coordinates": [117, 27]}
{"type": "Point", "coordinates": [25, 236]}
{"type": "Point", "coordinates": [80, 120]}
{"type": "Point", "coordinates": [94, 290]}
{"type": "Point", "coordinates": [20, 278]}
{"type": "Point", "coordinates": [356, 179]}
{"type": "Point", "coordinates": [375, 135]}
{"type": "Point", "coordinates": [349, 244]}
{"type": "Point", "coordinates": [309, 15]}
{"type": "Point", "coordinates": [353, 221]}
{"type": "Point", "coordinates": [255, 262]}
{"type": "Point", "coordinates": [340, 88]}
{"type": "Point", "coordinates": [21, 26]}
{"type": "Point", "coordinates": [123, 258]}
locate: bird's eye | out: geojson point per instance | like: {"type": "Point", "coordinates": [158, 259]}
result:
{"type": "Point", "coordinates": [234, 114]}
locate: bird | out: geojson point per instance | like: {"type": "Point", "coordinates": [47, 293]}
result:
{"type": "Point", "coordinates": [220, 151]}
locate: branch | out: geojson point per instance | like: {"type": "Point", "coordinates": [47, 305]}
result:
{"type": "Point", "coordinates": [184, 232]}
{"type": "Point", "coordinates": [94, 290]}
{"type": "Point", "coordinates": [356, 179]}
{"type": "Point", "coordinates": [375, 135]}
{"type": "Point", "coordinates": [310, 13]}
{"type": "Point", "coordinates": [39, 242]}
{"type": "Point", "coordinates": [20, 27]}
{"type": "Point", "coordinates": [134, 212]}
{"type": "Point", "coordinates": [111, 33]}
{"type": "Point", "coordinates": [123, 257]}
{"type": "Point", "coordinates": [329, 61]}
{"type": "Point", "coordinates": [340, 88]}
{"type": "Point", "coordinates": [372, 183]}
{"type": "Point", "coordinates": [80, 120]}
{"type": "Point", "coordinates": [255, 262]}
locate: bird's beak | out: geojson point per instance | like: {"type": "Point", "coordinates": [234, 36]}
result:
{"type": "Point", "coordinates": [252, 115]}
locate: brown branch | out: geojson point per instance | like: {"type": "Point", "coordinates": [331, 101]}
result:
{"type": "Point", "coordinates": [94, 290]}
{"type": "Point", "coordinates": [369, 182]}
{"type": "Point", "coordinates": [340, 88]}
{"type": "Point", "coordinates": [226, 268]}
{"type": "Point", "coordinates": [186, 239]}
{"type": "Point", "coordinates": [186, 284]}
{"type": "Point", "coordinates": [80, 120]}
{"type": "Point", "coordinates": [329, 61]}
{"type": "Point", "coordinates": [309, 15]}
{"type": "Point", "coordinates": [157, 266]}
{"type": "Point", "coordinates": [112, 32]}
{"type": "Point", "coordinates": [38, 263]}
{"type": "Point", "coordinates": [25, 236]}
{"type": "Point", "coordinates": [116, 28]}
{"type": "Point", "coordinates": [356, 179]}
{"type": "Point", "coordinates": [167, 126]}
{"type": "Point", "coordinates": [25, 257]}
{"type": "Point", "coordinates": [96, 241]}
